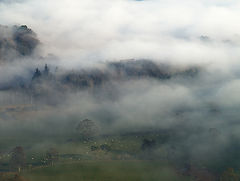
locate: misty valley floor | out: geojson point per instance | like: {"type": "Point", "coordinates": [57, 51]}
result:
{"type": "Point", "coordinates": [121, 159]}
{"type": "Point", "coordinates": [141, 154]}
{"type": "Point", "coordinates": [119, 90]}
{"type": "Point", "coordinates": [107, 171]}
{"type": "Point", "coordinates": [104, 170]}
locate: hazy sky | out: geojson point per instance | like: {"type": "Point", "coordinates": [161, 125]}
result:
{"type": "Point", "coordinates": [180, 32]}
{"type": "Point", "coordinates": [166, 30]}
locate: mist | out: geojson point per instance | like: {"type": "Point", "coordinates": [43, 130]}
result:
{"type": "Point", "coordinates": [133, 67]}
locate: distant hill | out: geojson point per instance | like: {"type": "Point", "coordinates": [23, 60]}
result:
{"type": "Point", "coordinates": [48, 83]}
{"type": "Point", "coordinates": [47, 79]}
{"type": "Point", "coordinates": [16, 41]}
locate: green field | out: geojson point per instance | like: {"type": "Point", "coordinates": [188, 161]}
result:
{"type": "Point", "coordinates": [106, 171]}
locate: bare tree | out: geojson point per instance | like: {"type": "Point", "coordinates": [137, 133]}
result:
{"type": "Point", "coordinates": [17, 158]}
{"type": "Point", "coordinates": [52, 156]}
{"type": "Point", "coordinates": [87, 129]}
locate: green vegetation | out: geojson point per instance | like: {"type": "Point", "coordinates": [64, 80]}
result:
{"type": "Point", "coordinates": [112, 157]}
{"type": "Point", "coordinates": [11, 177]}
{"type": "Point", "coordinates": [107, 171]}
{"type": "Point", "coordinates": [137, 155]}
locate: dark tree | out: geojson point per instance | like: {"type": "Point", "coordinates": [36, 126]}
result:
{"type": "Point", "coordinates": [94, 148]}
{"type": "Point", "coordinates": [25, 39]}
{"type": "Point", "coordinates": [36, 74]}
{"type": "Point", "coordinates": [16, 41]}
{"type": "Point", "coordinates": [148, 144]}
{"type": "Point", "coordinates": [17, 158]}
{"type": "Point", "coordinates": [105, 147]}
{"type": "Point", "coordinates": [46, 70]}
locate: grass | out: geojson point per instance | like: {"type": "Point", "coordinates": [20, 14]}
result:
{"type": "Point", "coordinates": [107, 171]}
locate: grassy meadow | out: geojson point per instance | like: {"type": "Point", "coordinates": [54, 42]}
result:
{"type": "Point", "coordinates": [106, 171]}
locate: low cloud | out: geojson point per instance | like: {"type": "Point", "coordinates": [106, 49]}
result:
{"type": "Point", "coordinates": [79, 37]}
{"type": "Point", "coordinates": [81, 32]}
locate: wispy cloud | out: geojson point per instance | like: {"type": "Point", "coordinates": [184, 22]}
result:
{"type": "Point", "coordinates": [158, 29]}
